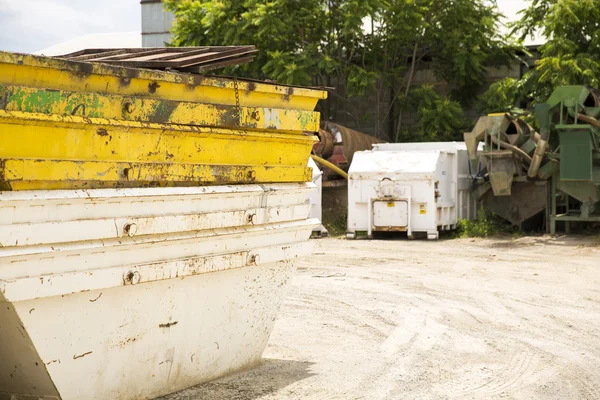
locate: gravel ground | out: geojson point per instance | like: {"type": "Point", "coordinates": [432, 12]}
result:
{"type": "Point", "coordinates": [452, 319]}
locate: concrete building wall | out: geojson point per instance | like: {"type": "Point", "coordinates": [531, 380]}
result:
{"type": "Point", "coordinates": [361, 113]}
{"type": "Point", "coordinates": [156, 24]}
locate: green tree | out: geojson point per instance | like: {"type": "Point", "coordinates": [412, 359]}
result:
{"type": "Point", "coordinates": [571, 55]}
{"type": "Point", "coordinates": [360, 46]}
{"type": "Point", "coordinates": [501, 96]}
{"type": "Point", "coordinates": [438, 118]}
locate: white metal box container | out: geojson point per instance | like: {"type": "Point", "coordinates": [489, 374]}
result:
{"type": "Point", "coordinates": [411, 191]}
{"type": "Point", "coordinates": [466, 206]}
{"type": "Point", "coordinates": [316, 196]}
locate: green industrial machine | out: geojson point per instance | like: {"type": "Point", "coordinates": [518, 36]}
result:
{"type": "Point", "coordinates": [508, 153]}
{"type": "Point", "coordinates": [571, 114]}
{"type": "Point", "coordinates": [557, 170]}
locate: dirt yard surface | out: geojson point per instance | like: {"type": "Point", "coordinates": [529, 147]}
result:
{"type": "Point", "coordinates": [452, 319]}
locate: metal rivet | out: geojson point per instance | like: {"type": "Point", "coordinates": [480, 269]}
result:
{"type": "Point", "coordinates": [130, 229]}
{"type": "Point", "coordinates": [253, 259]}
{"type": "Point", "coordinates": [133, 277]}
{"type": "Point", "coordinates": [250, 218]}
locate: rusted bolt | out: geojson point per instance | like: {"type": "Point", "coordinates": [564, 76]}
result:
{"type": "Point", "coordinates": [255, 115]}
{"type": "Point", "coordinates": [129, 107]}
{"type": "Point", "coordinates": [252, 175]}
{"type": "Point", "coordinates": [250, 218]}
{"type": "Point", "coordinates": [130, 229]}
{"type": "Point", "coordinates": [132, 277]}
{"type": "Point", "coordinates": [253, 259]}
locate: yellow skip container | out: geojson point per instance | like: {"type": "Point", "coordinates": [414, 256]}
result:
{"type": "Point", "coordinates": [67, 124]}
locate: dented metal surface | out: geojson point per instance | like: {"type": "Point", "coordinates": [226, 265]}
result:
{"type": "Point", "coordinates": [116, 270]}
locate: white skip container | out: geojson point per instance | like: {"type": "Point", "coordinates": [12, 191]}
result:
{"type": "Point", "coordinates": [136, 293]}
{"type": "Point", "coordinates": [467, 206]}
{"type": "Point", "coordinates": [402, 191]}
{"type": "Point", "coordinates": [316, 197]}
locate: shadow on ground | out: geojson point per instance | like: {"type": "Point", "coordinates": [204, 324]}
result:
{"type": "Point", "coordinates": [270, 376]}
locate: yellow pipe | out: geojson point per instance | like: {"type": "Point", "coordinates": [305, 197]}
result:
{"type": "Point", "coordinates": [329, 165]}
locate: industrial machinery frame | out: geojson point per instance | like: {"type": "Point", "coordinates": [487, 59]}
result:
{"type": "Point", "coordinates": [571, 112]}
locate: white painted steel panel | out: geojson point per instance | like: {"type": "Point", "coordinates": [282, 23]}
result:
{"type": "Point", "coordinates": [88, 311]}
{"type": "Point", "coordinates": [67, 205]}
{"type": "Point", "coordinates": [316, 209]}
{"type": "Point", "coordinates": [412, 165]}
{"type": "Point", "coordinates": [146, 340]}
{"type": "Point", "coordinates": [467, 206]}
{"type": "Point", "coordinates": [420, 146]}
{"type": "Point", "coordinates": [393, 214]}
{"type": "Point", "coordinates": [90, 229]}
{"type": "Point", "coordinates": [316, 197]}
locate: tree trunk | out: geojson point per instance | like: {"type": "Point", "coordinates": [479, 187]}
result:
{"type": "Point", "coordinates": [407, 90]}
{"type": "Point", "coordinates": [390, 115]}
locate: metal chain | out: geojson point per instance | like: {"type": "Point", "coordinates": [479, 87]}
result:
{"type": "Point", "coordinates": [237, 101]}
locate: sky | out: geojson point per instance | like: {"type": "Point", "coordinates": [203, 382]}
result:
{"type": "Point", "coordinates": [31, 25]}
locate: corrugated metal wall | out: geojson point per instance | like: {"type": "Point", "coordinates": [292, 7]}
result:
{"type": "Point", "coordinates": [156, 24]}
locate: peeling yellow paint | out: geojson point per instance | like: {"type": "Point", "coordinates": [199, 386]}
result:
{"type": "Point", "coordinates": [26, 135]}
{"type": "Point", "coordinates": [127, 108]}
{"type": "Point", "coordinates": [66, 124]}
{"type": "Point", "coordinates": [29, 174]}
{"type": "Point", "coordinates": [51, 73]}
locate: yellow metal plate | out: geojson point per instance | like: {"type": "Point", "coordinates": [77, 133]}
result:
{"type": "Point", "coordinates": [127, 108]}
{"type": "Point", "coordinates": [52, 73]}
{"type": "Point", "coordinates": [27, 174]}
{"type": "Point", "coordinates": [49, 148]}
{"type": "Point", "coordinates": [26, 135]}
{"type": "Point", "coordinates": [69, 124]}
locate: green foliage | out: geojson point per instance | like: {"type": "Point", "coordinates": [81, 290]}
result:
{"type": "Point", "coordinates": [486, 225]}
{"type": "Point", "coordinates": [368, 46]}
{"type": "Point", "coordinates": [571, 55]}
{"type": "Point", "coordinates": [501, 96]}
{"type": "Point", "coordinates": [301, 42]}
{"type": "Point", "coordinates": [335, 222]}
{"type": "Point", "coordinates": [439, 118]}
{"type": "Point", "coordinates": [360, 80]}
{"type": "Point", "coordinates": [465, 41]}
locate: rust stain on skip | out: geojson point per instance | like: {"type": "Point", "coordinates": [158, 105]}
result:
{"type": "Point", "coordinates": [75, 357]}
{"type": "Point", "coordinates": [168, 325]}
